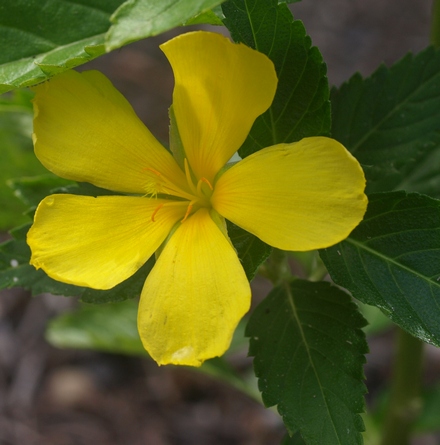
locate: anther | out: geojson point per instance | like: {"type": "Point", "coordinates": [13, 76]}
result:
{"type": "Point", "coordinates": [188, 211]}
{"type": "Point", "coordinates": [155, 212]}
{"type": "Point", "coordinates": [152, 170]}
{"type": "Point", "coordinates": [207, 182]}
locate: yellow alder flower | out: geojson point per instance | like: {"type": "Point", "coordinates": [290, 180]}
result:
{"type": "Point", "coordinates": [300, 196]}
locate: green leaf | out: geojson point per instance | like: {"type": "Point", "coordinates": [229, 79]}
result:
{"type": "Point", "coordinates": [392, 261]}
{"type": "Point", "coordinates": [378, 322]}
{"type": "Point", "coordinates": [31, 190]}
{"type": "Point", "coordinates": [138, 19]}
{"type": "Point", "coordinates": [212, 17]}
{"type": "Point", "coordinates": [250, 249]}
{"type": "Point", "coordinates": [391, 123]}
{"type": "Point", "coordinates": [301, 107]}
{"type": "Point", "coordinates": [40, 39]}
{"type": "Point", "coordinates": [109, 328]}
{"type": "Point", "coordinates": [130, 288]}
{"type": "Point", "coordinates": [113, 328]}
{"type": "Point", "coordinates": [15, 270]}
{"type": "Point", "coordinates": [309, 351]}
{"type": "Point", "coordinates": [17, 155]}
{"type": "Point", "coordinates": [296, 439]}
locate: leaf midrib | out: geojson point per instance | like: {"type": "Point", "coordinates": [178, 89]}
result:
{"type": "Point", "coordinates": [306, 346]}
{"type": "Point", "coordinates": [397, 108]}
{"type": "Point", "coordinates": [389, 260]}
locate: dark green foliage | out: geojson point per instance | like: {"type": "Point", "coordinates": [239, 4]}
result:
{"type": "Point", "coordinates": [309, 351]}
{"type": "Point", "coordinates": [392, 261]}
{"type": "Point", "coordinates": [391, 123]}
{"type": "Point", "coordinates": [301, 107]}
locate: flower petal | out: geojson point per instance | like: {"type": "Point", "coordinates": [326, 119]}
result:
{"type": "Point", "coordinates": [220, 89]}
{"type": "Point", "coordinates": [85, 130]}
{"type": "Point", "coordinates": [301, 196]}
{"type": "Point", "coordinates": [98, 242]}
{"type": "Point", "coordinates": [194, 297]}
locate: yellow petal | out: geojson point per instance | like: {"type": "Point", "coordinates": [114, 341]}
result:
{"type": "Point", "coordinates": [301, 196]}
{"type": "Point", "coordinates": [85, 130]}
{"type": "Point", "coordinates": [220, 89]}
{"type": "Point", "coordinates": [194, 297]}
{"type": "Point", "coordinates": [98, 242]}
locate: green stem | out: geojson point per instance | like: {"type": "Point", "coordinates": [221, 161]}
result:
{"type": "Point", "coordinates": [435, 24]}
{"type": "Point", "coordinates": [404, 404]}
{"type": "Point", "coordinates": [277, 268]}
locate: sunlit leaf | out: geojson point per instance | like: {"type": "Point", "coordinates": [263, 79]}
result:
{"type": "Point", "coordinates": [138, 19]}
{"type": "Point", "coordinates": [40, 39]}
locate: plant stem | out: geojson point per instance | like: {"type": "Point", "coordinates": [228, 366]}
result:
{"type": "Point", "coordinates": [277, 268]}
{"type": "Point", "coordinates": [404, 404]}
{"type": "Point", "coordinates": [435, 24]}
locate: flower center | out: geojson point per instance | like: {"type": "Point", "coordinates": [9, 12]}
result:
{"type": "Point", "coordinates": [197, 194]}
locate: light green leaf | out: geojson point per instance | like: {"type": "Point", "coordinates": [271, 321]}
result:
{"type": "Point", "coordinates": [109, 328]}
{"type": "Point", "coordinates": [138, 19]}
{"type": "Point", "coordinates": [31, 190]}
{"type": "Point", "coordinates": [40, 40]}
{"type": "Point", "coordinates": [301, 107]}
{"type": "Point", "coordinates": [378, 322]}
{"type": "Point", "coordinates": [391, 123]}
{"type": "Point", "coordinates": [392, 261]}
{"type": "Point", "coordinates": [212, 17]}
{"type": "Point", "coordinates": [309, 349]}
{"type": "Point", "coordinates": [113, 328]}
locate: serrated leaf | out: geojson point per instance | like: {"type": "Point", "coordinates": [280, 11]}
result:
{"type": "Point", "coordinates": [301, 107]}
{"type": "Point", "coordinates": [41, 38]}
{"type": "Point", "coordinates": [138, 19]}
{"type": "Point", "coordinates": [391, 123]}
{"type": "Point", "coordinates": [250, 249]}
{"type": "Point", "coordinates": [392, 261]}
{"type": "Point", "coordinates": [309, 349]}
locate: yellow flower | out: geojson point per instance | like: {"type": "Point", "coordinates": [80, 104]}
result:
{"type": "Point", "coordinates": [300, 196]}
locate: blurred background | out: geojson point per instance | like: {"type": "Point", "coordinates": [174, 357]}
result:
{"type": "Point", "coordinates": [75, 397]}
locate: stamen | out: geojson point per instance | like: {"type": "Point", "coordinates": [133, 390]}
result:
{"type": "Point", "coordinates": [188, 211]}
{"type": "Point", "coordinates": [188, 176]}
{"type": "Point", "coordinates": [160, 184]}
{"type": "Point", "coordinates": [155, 212]}
{"type": "Point", "coordinates": [199, 185]}
{"type": "Point", "coordinates": [152, 170]}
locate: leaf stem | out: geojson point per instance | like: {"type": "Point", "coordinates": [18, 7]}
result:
{"type": "Point", "coordinates": [405, 403]}
{"type": "Point", "coordinates": [435, 24]}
